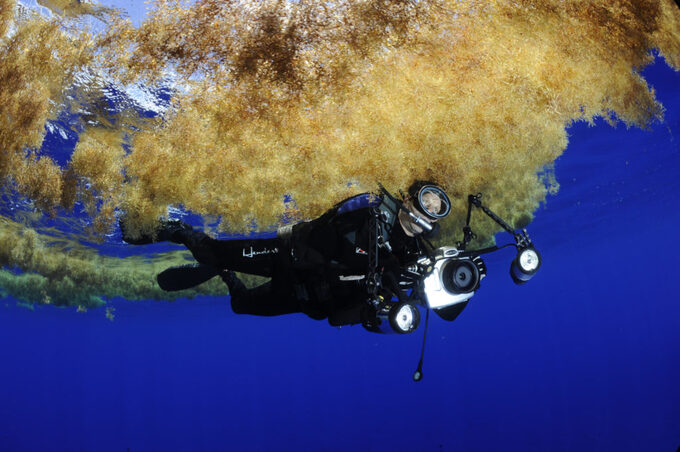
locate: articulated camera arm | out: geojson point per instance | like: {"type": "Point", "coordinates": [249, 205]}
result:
{"type": "Point", "coordinates": [522, 239]}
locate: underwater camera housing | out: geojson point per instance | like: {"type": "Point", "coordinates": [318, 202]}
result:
{"type": "Point", "coordinates": [450, 278]}
{"type": "Point", "coordinates": [442, 279]}
{"type": "Point", "coordinates": [445, 280]}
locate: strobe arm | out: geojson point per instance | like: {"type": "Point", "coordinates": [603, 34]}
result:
{"type": "Point", "coordinates": [528, 259]}
{"type": "Point", "coordinates": [521, 238]}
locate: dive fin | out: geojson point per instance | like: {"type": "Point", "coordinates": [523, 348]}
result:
{"type": "Point", "coordinates": [185, 276]}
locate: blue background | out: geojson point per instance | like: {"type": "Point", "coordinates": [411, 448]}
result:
{"type": "Point", "coordinates": [584, 357]}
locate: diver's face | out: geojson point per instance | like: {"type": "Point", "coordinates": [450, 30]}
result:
{"type": "Point", "coordinates": [432, 204]}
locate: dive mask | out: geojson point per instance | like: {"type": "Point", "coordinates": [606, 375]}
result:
{"type": "Point", "coordinates": [423, 202]}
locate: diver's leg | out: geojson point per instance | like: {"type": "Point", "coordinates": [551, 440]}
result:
{"type": "Point", "coordinates": [263, 300]}
{"type": "Point", "coordinates": [252, 256]}
{"type": "Point", "coordinates": [165, 231]}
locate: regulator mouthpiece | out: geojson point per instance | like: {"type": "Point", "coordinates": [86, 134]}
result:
{"type": "Point", "coordinates": [525, 265]}
{"type": "Point", "coordinates": [424, 225]}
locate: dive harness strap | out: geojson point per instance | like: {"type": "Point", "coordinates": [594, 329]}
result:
{"type": "Point", "coordinates": [373, 276]}
{"type": "Point", "coordinates": [380, 223]}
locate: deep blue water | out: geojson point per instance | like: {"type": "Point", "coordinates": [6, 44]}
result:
{"type": "Point", "coordinates": [585, 357]}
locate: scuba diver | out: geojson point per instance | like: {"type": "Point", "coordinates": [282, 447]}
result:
{"type": "Point", "coordinates": [367, 260]}
{"type": "Point", "coordinates": [342, 266]}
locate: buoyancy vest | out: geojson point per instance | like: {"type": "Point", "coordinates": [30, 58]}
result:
{"type": "Point", "coordinates": [387, 209]}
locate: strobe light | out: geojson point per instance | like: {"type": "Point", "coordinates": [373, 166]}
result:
{"type": "Point", "coordinates": [525, 265]}
{"type": "Point", "coordinates": [404, 318]}
{"type": "Point", "coordinates": [399, 318]}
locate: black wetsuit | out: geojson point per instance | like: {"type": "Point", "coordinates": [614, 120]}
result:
{"type": "Point", "coordinates": [316, 269]}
